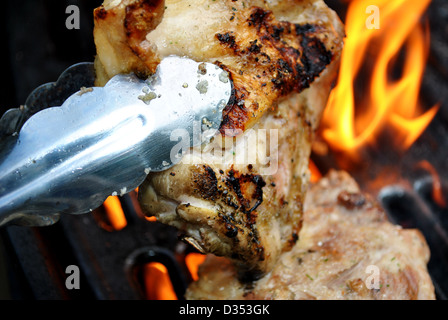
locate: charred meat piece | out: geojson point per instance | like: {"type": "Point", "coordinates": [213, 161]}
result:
{"type": "Point", "coordinates": [120, 37]}
{"type": "Point", "coordinates": [269, 49]}
{"type": "Point", "coordinates": [347, 250]}
{"type": "Point", "coordinates": [241, 195]}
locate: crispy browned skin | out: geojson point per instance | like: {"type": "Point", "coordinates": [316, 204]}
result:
{"type": "Point", "coordinates": [120, 37]}
{"type": "Point", "coordinates": [267, 58]}
{"type": "Point", "coordinates": [346, 238]}
{"type": "Point", "coordinates": [282, 57]}
{"type": "Point", "coordinates": [229, 208]}
{"type": "Point", "coordinates": [272, 59]}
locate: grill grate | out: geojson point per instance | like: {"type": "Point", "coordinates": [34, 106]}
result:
{"type": "Point", "coordinates": [108, 260]}
{"type": "Point", "coordinates": [414, 207]}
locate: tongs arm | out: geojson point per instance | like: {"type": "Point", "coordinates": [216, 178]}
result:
{"type": "Point", "coordinates": [104, 141]}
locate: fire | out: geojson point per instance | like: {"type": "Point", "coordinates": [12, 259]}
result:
{"type": "Point", "coordinates": [151, 219]}
{"type": "Point", "coordinates": [387, 101]}
{"type": "Point", "coordinates": [114, 212]}
{"type": "Point", "coordinates": [193, 260]}
{"type": "Point", "coordinates": [437, 192]}
{"type": "Point", "coordinates": [114, 218]}
{"type": "Point", "coordinates": [158, 284]}
{"type": "Point", "coordinates": [315, 173]}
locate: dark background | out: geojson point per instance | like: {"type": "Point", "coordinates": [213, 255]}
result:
{"type": "Point", "coordinates": [38, 46]}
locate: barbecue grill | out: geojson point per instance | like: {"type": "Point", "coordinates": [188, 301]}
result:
{"type": "Point", "coordinates": [34, 259]}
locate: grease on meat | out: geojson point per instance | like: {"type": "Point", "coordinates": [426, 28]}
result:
{"type": "Point", "coordinates": [346, 241]}
{"type": "Point", "coordinates": [281, 57]}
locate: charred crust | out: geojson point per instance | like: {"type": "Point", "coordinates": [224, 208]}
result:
{"type": "Point", "coordinates": [227, 39]}
{"type": "Point", "coordinates": [258, 17]}
{"type": "Point", "coordinates": [239, 184]}
{"type": "Point", "coordinates": [142, 16]}
{"type": "Point", "coordinates": [236, 182]}
{"type": "Point", "coordinates": [315, 58]}
{"type": "Point", "coordinates": [258, 194]}
{"type": "Point", "coordinates": [235, 114]}
{"type": "Point", "coordinates": [294, 237]}
{"type": "Point", "coordinates": [229, 225]}
{"type": "Point", "coordinates": [298, 67]}
{"type": "Point", "coordinates": [241, 194]}
{"type": "Point", "coordinates": [277, 32]}
{"type": "Point", "coordinates": [232, 231]}
{"type": "Point", "coordinates": [206, 183]}
{"type": "Point", "coordinates": [304, 28]}
{"type": "Point", "coordinates": [249, 276]}
{"type": "Point", "coordinates": [100, 13]}
{"type": "Point", "coordinates": [287, 57]}
{"type": "Point", "coordinates": [254, 47]}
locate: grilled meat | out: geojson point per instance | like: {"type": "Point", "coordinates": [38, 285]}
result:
{"type": "Point", "coordinates": [120, 38]}
{"type": "Point", "coordinates": [347, 250]}
{"type": "Point", "coordinates": [240, 196]}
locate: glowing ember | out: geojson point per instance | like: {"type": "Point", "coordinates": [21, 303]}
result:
{"type": "Point", "coordinates": [151, 219]}
{"type": "Point", "coordinates": [387, 101]}
{"type": "Point", "coordinates": [437, 192]}
{"type": "Point", "coordinates": [193, 260]}
{"type": "Point", "coordinates": [114, 212]}
{"type": "Point", "coordinates": [315, 173]}
{"type": "Point", "coordinates": [158, 285]}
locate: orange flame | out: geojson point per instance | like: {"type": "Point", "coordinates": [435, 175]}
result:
{"type": "Point", "coordinates": [437, 192]}
{"type": "Point", "coordinates": [115, 213]}
{"type": "Point", "coordinates": [388, 102]}
{"type": "Point", "coordinates": [315, 173]}
{"type": "Point", "coordinates": [193, 260]}
{"type": "Point", "coordinates": [116, 219]}
{"type": "Point", "coordinates": [158, 284]}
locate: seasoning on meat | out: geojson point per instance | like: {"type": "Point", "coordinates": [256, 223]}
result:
{"type": "Point", "coordinates": [281, 57]}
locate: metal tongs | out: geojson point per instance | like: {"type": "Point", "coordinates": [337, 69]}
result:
{"type": "Point", "coordinates": [104, 141]}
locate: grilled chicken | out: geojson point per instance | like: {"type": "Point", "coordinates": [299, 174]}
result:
{"type": "Point", "coordinates": [241, 195]}
{"type": "Point", "coordinates": [347, 250]}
